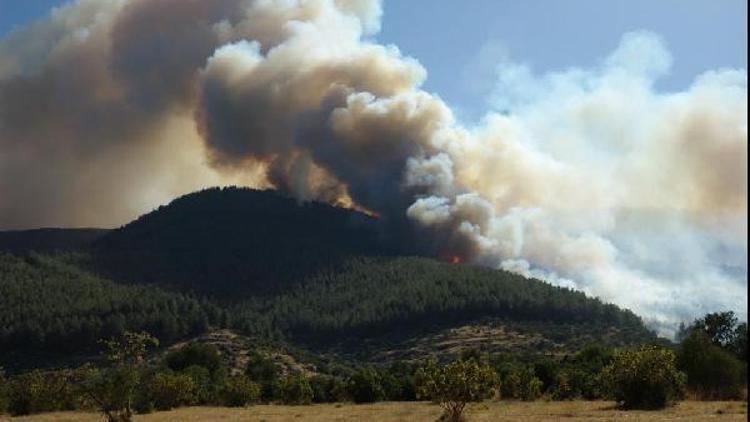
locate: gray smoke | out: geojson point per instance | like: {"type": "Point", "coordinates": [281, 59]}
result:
{"type": "Point", "coordinates": [588, 178]}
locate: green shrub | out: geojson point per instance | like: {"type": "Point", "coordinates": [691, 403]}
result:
{"type": "Point", "coordinates": [240, 391]}
{"type": "Point", "coordinates": [365, 386]}
{"type": "Point", "coordinates": [563, 387]}
{"type": "Point", "coordinates": [530, 387]}
{"type": "Point", "coordinates": [327, 389]}
{"type": "Point", "coordinates": [340, 390]}
{"type": "Point", "coordinates": [454, 385]}
{"type": "Point", "coordinates": [644, 378]}
{"type": "Point", "coordinates": [204, 385]}
{"type": "Point", "coordinates": [294, 390]}
{"type": "Point", "coordinates": [712, 372]}
{"type": "Point", "coordinates": [398, 382]}
{"type": "Point", "coordinates": [37, 391]}
{"type": "Point", "coordinates": [171, 389]}
{"type": "Point", "coordinates": [265, 371]}
{"type": "Point", "coordinates": [521, 383]}
{"type": "Point", "coordinates": [194, 354]}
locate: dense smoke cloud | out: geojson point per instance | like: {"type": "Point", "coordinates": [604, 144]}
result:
{"type": "Point", "coordinates": [588, 178]}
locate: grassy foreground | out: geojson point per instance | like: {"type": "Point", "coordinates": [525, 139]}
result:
{"type": "Point", "coordinates": [410, 411]}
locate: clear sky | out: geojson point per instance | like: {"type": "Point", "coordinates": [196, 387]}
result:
{"type": "Point", "coordinates": [458, 42]}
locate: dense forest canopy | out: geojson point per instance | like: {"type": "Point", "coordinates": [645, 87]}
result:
{"type": "Point", "coordinates": [236, 242]}
{"type": "Point", "coordinates": [264, 264]}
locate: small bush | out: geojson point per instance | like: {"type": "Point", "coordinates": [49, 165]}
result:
{"type": "Point", "coordinates": [644, 378]}
{"type": "Point", "coordinates": [562, 387]}
{"type": "Point", "coordinates": [294, 390]}
{"type": "Point", "coordinates": [521, 383]}
{"type": "Point", "coordinates": [454, 385]}
{"type": "Point", "coordinates": [37, 391]}
{"type": "Point", "coordinates": [194, 354]}
{"type": "Point", "coordinates": [171, 389]}
{"type": "Point", "coordinates": [204, 385]}
{"type": "Point", "coordinates": [265, 371]}
{"type": "Point", "coordinates": [240, 391]}
{"type": "Point", "coordinates": [365, 386]}
{"type": "Point", "coordinates": [327, 389]}
{"type": "Point", "coordinates": [398, 382]}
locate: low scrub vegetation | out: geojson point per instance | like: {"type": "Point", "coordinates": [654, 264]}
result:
{"type": "Point", "coordinates": [708, 364]}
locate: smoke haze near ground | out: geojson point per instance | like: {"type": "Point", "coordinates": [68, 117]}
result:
{"type": "Point", "coordinates": [588, 178]}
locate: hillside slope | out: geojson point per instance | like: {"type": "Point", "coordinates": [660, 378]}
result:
{"type": "Point", "coordinates": [235, 242]}
{"type": "Point", "coordinates": [398, 298]}
{"type": "Point", "coordinates": [310, 275]}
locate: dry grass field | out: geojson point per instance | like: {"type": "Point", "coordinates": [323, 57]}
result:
{"type": "Point", "coordinates": [382, 412]}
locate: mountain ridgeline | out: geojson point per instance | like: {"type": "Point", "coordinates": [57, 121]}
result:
{"type": "Point", "coordinates": [307, 274]}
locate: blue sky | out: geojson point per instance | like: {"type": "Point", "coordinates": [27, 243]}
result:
{"type": "Point", "coordinates": [458, 41]}
{"type": "Point", "coordinates": [447, 36]}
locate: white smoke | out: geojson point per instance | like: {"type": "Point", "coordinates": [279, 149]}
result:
{"type": "Point", "coordinates": [588, 178]}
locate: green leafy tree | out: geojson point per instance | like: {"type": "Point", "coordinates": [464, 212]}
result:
{"type": "Point", "coordinates": [455, 385]}
{"type": "Point", "coordinates": [739, 342]}
{"type": "Point", "coordinates": [719, 326]}
{"type": "Point", "coordinates": [722, 329]}
{"type": "Point", "coordinates": [713, 373]}
{"type": "Point", "coordinates": [112, 390]}
{"type": "Point", "coordinates": [644, 378]}
{"type": "Point", "coordinates": [294, 389]}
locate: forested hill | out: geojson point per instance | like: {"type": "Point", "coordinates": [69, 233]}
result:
{"type": "Point", "coordinates": [268, 266]}
{"type": "Point", "coordinates": [235, 242]}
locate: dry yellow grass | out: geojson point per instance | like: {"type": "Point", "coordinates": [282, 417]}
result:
{"type": "Point", "coordinates": [382, 412]}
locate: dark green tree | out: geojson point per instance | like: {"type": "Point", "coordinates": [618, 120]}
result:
{"type": "Point", "coordinates": [366, 386]}
{"type": "Point", "coordinates": [644, 378]}
{"type": "Point", "coordinates": [713, 373]}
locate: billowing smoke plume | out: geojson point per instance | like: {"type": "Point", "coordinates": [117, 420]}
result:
{"type": "Point", "coordinates": [586, 178]}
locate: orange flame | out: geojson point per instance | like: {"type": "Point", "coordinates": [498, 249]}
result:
{"type": "Point", "coordinates": [455, 260]}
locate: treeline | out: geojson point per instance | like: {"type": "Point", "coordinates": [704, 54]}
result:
{"type": "Point", "coordinates": [195, 374]}
{"type": "Point", "coordinates": [375, 296]}
{"type": "Point", "coordinates": [47, 305]}
{"type": "Point", "coordinates": [50, 305]}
